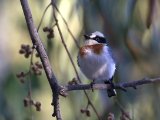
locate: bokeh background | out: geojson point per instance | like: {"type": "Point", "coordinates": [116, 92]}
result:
{"type": "Point", "coordinates": [132, 28]}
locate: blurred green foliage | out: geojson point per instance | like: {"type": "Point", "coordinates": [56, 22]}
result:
{"type": "Point", "coordinates": [133, 31]}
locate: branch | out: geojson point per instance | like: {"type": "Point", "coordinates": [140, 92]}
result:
{"type": "Point", "coordinates": [43, 56]}
{"type": "Point", "coordinates": [121, 86]}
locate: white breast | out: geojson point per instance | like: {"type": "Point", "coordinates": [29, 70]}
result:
{"type": "Point", "coordinates": [97, 67]}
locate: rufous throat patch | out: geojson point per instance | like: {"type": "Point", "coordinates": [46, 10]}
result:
{"type": "Point", "coordinates": [96, 48]}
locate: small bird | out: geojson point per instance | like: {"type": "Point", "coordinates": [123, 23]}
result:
{"type": "Point", "coordinates": [95, 60]}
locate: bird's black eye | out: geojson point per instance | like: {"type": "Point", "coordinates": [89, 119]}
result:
{"type": "Point", "coordinates": [97, 39]}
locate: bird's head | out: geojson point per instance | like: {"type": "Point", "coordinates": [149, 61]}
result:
{"type": "Point", "coordinates": [95, 38]}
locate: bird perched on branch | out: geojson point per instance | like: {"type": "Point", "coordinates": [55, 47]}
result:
{"type": "Point", "coordinates": [96, 62]}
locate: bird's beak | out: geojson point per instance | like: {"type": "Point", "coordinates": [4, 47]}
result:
{"type": "Point", "coordinates": [86, 37]}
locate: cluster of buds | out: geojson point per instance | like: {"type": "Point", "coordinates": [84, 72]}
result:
{"type": "Point", "coordinates": [29, 102]}
{"type": "Point", "coordinates": [125, 116]}
{"type": "Point", "coordinates": [86, 111]}
{"type": "Point", "coordinates": [73, 82]}
{"type": "Point", "coordinates": [49, 31]}
{"type": "Point", "coordinates": [110, 116]}
{"type": "Point", "coordinates": [37, 68]}
{"type": "Point", "coordinates": [26, 50]}
{"type": "Point", "coordinates": [21, 76]}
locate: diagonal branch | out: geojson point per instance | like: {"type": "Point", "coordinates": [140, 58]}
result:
{"type": "Point", "coordinates": [43, 56]}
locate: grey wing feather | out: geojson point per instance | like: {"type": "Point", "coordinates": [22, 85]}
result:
{"type": "Point", "coordinates": [112, 55]}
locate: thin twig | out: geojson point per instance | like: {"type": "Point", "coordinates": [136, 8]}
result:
{"type": "Point", "coordinates": [43, 56]}
{"type": "Point", "coordinates": [64, 44]}
{"type": "Point", "coordinates": [149, 19]}
{"type": "Point", "coordinates": [43, 16]}
{"type": "Point", "coordinates": [65, 22]}
{"type": "Point", "coordinates": [122, 110]}
{"type": "Point", "coordinates": [93, 107]}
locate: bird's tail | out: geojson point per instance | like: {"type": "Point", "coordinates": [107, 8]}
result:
{"type": "Point", "coordinates": [111, 92]}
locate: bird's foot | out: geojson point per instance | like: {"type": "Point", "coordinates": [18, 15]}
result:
{"type": "Point", "coordinates": [109, 82]}
{"type": "Point", "coordinates": [111, 89]}
{"type": "Point", "coordinates": [92, 83]}
{"type": "Point", "coordinates": [113, 86]}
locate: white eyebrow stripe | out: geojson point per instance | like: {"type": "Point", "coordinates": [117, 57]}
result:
{"type": "Point", "coordinates": [92, 36]}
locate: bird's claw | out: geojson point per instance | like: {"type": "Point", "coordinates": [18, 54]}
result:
{"type": "Point", "coordinates": [110, 83]}
{"type": "Point", "coordinates": [92, 83]}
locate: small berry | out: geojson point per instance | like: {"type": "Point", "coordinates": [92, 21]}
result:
{"type": "Point", "coordinates": [38, 106]}
{"type": "Point", "coordinates": [45, 29]}
{"type": "Point", "coordinates": [38, 65]}
{"type": "Point", "coordinates": [21, 51]}
{"type": "Point", "coordinates": [82, 110]}
{"type": "Point", "coordinates": [23, 46]}
{"type": "Point", "coordinates": [50, 35]}
{"type": "Point", "coordinates": [88, 113]}
{"type": "Point", "coordinates": [26, 102]}
{"type": "Point", "coordinates": [111, 116]}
